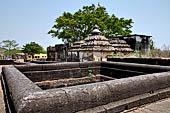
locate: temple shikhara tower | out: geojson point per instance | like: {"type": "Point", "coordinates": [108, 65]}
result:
{"type": "Point", "coordinates": [95, 47]}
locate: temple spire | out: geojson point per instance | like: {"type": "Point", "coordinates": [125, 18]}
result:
{"type": "Point", "coordinates": [95, 30]}
{"type": "Point", "coordinates": [99, 4]}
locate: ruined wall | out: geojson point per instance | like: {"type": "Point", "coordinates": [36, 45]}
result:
{"type": "Point", "coordinates": [145, 45]}
{"type": "Point", "coordinates": [17, 87]}
{"type": "Point", "coordinates": [51, 53]}
{"type": "Point", "coordinates": [6, 62]}
{"type": "Point", "coordinates": [139, 43]}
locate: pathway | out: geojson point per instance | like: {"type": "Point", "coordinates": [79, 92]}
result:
{"type": "Point", "coordinates": [162, 106]}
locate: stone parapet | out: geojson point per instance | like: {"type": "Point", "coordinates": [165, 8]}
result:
{"type": "Point", "coordinates": [108, 96]}
{"type": "Point", "coordinates": [151, 61]}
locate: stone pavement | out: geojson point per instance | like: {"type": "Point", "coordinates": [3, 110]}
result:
{"type": "Point", "coordinates": [162, 106]}
{"type": "Point", "coordinates": [2, 106]}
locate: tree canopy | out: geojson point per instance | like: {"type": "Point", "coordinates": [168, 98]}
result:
{"type": "Point", "coordinates": [32, 48]}
{"type": "Point", "coordinates": [74, 27]}
{"type": "Point", "coordinates": [10, 45]}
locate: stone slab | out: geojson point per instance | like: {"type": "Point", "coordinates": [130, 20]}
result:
{"type": "Point", "coordinates": [162, 106]}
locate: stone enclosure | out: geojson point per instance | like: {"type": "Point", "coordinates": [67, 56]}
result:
{"type": "Point", "coordinates": [83, 87]}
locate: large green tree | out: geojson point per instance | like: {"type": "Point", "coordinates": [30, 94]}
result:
{"type": "Point", "coordinates": [10, 45]}
{"type": "Point", "coordinates": [73, 27]}
{"type": "Point", "coordinates": [32, 49]}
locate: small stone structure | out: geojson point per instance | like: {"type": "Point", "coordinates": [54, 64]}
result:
{"type": "Point", "coordinates": [94, 48]}
{"type": "Point", "coordinates": [138, 42]}
{"type": "Point", "coordinates": [33, 88]}
{"type": "Point", "coordinates": [57, 53]}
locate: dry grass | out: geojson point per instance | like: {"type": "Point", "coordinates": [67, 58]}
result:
{"type": "Point", "coordinates": [159, 53]}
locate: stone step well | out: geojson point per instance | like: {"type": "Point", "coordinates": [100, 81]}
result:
{"type": "Point", "coordinates": [137, 84]}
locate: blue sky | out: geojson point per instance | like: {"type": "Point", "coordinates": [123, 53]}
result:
{"type": "Point", "coordinates": [30, 20]}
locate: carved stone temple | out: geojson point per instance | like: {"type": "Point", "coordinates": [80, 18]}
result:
{"type": "Point", "coordinates": [97, 47]}
{"type": "Point", "coordinates": [94, 48]}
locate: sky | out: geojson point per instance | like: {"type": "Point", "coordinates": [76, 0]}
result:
{"type": "Point", "coordinates": [30, 20]}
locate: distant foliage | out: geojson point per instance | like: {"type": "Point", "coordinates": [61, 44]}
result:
{"type": "Point", "coordinates": [164, 52]}
{"type": "Point", "coordinates": [32, 48]}
{"type": "Point", "coordinates": [116, 55]}
{"type": "Point", "coordinates": [9, 44]}
{"type": "Point", "coordinates": [44, 52]}
{"type": "Point", "coordinates": [133, 54]}
{"type": "Point", "coordinates": [74, 27]}
{"type": "Point", "coordinates": [11, 47]}
{"type": "Point", "coordinates": [136, 54]}
{"type": "Point", "coordinates": [152, 46]}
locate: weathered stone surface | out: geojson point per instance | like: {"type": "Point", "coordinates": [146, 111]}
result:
{"type": "Point", "coordinates": [128, 103]}
{"type": "Point", "coordinates": [110, 96]}
{"type": "Point", "coordinates": [87, 96]}
{"type": "Point", "coordinates": [71, 81]}
{"type": "Point", "coordinates": [89, 64]}
{"type": "Point", "coordinates": [136, 67]}
{"type": "Point", "coordinates": [151, 61]}
{"type": "Point", "coordinates": [49, 101]}
{"type": "Point", "coordinates": [19, 85]}
{"type": "Point", "coordinates": [37, 76]}
{"type": "Point", "coordinates": [24, 68]}
{"type": "Point", "coordinates": [162, 106]}
{"type": "Point", "coordinates": [99, 109]}
{"type": "Point", "coordinates": [127, 87]}
{"type": "Point", "coordinates": [6, 62]}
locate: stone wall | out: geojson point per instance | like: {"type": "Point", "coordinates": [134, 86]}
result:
{"type": "Point", "coordinates": [152, 61]}
{"type": "Point", "coordinates": [108, 96]}
{"type": "Point", "coordinates": [43, 62]}
{"type": "Point", "coordinates": [59, 71]}
{"type": "Point", "coordinates": [39, 73]}
{"type": "Point", "coordinates": [6, 62]}
{"type": "Point", "coordinates": [17, 87]}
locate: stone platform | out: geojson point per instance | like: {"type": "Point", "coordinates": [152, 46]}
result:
{"type": "Point", "coordinates": [162, 106]}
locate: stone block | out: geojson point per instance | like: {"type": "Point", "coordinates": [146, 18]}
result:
{"type": "Point", "coordinates": [87, 96]}
{"type": "Point", "coordinates": [24, 68]}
